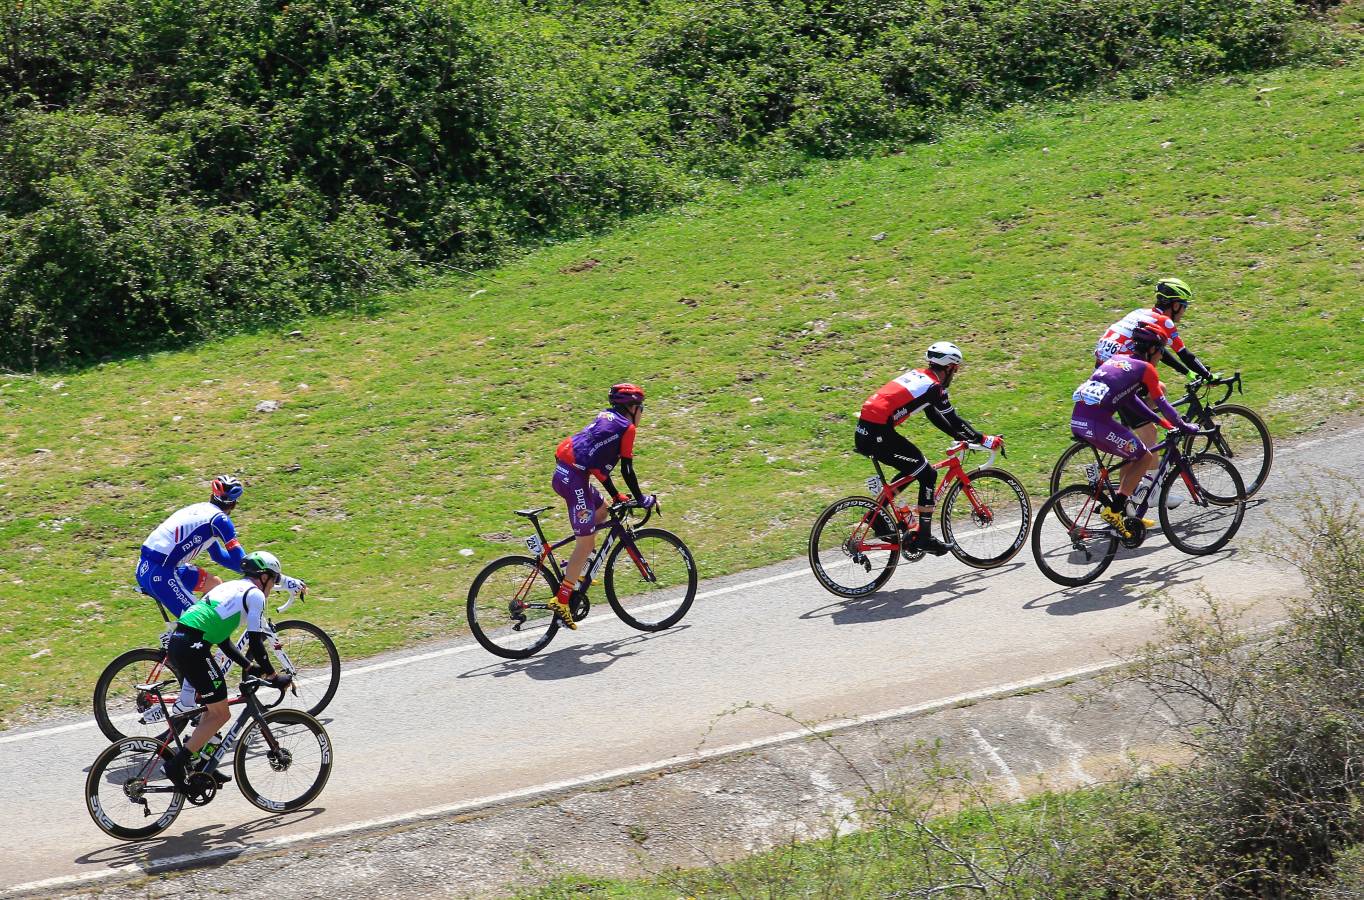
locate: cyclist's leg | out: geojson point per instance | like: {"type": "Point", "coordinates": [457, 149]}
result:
{"type": "Point", "coordinates": [886, 445]}
{"type": "Point", "coordinates": [1108, 436]}
{"type": "Point", "coordinates": [163, 583]}
{"type": "Point", "coordinates": [585, 511]}
{"type": "Point", "coordinates": [193, 656]}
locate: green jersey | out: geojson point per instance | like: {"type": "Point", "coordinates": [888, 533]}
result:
{"type": "Point", "coordinates": [221, 611]}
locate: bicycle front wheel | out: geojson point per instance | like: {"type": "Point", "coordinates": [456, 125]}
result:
{"type": "Point", "coordinates": [653, 584]}
{"type": "Point", "coordinates": [1071, 544]}
{"type": "Point", "coordinates": [1243, 438]}
{"type": "Point", "coordinates": [127, 793]}
{"type": "Point", "coordinates": [1209, 504]}
{"type": "Point", "coordinates": [121, 710]}
{"type": "Point", "coordinates": [1070, 467]}
{"type": "Point", "coordinates": [508, 607]}
{"type": "Point", "coordinates": [307, 652]}
{"type": "Point", "coordinates": [284, 761]}
{"type": "Point", "coordinates": [986, 524]}
{"type": "Point", "coordinates": [847, 555]}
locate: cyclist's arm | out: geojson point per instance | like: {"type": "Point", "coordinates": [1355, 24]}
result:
{"type": "Point", "coordinates": [942, 414]}
{"type": "Point", "coordinates": [1193, 362]}
{"type": "Point", "coordinates": [228, 552]}
{"type": "Point", "coordinates": [627, 471]}
{"type": "Point", "coordinates": [1173, 361]}
{"type": "Point", "coordinates": [255, 630]}
{"type": "Point", "coordinates": [230, 650]}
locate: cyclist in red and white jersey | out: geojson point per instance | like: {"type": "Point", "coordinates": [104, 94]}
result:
{"type": "Point", "coordinates": [918, 389]}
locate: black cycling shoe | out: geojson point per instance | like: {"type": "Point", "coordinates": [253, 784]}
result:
{"type": "Point", "coordinates": [218, 776]}
{"type": "Point", "coordinates": [926, 542]}
{"type": "Point", "coordinates": [176, 767]}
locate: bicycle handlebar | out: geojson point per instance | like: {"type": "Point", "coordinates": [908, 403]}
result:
{"type": "Point", "coordinates": [618, 509]}
{"type": "Point", "coordinates": [967, 445]}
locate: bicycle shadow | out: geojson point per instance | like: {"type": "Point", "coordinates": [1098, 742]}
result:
{"type": "Point", "coordinates": [571, 661]}
{"type": "Point", "coordinates": [899, 603]}
{"type": "Point", "coordinates": [1123, 588]}
{"type": "Point", "coordinates": [205, 845]}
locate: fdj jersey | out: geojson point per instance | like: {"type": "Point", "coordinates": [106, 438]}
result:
{"type": "Point", "coordinates": [222, 610]}
{"type": "Point", "coordinates": [182, 537]}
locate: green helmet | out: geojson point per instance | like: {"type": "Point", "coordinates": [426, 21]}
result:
{"type": "Point", "coordinates": [259, 562]}
{"type": "Point", "coordinates": [1172, 290]}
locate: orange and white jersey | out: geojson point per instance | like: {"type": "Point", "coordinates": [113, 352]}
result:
{"type": "Point", "coordinates": [1119, 334]}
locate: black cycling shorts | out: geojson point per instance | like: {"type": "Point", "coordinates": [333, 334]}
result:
{"type": "Point", "coordinates": [192, 657]}
{"type": "Point", "coordinates": [886, 445]}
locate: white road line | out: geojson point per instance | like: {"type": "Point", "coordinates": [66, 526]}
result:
{"type": "Point", "coordinates": [238, 851]}
{"type": "Point", "coordinates": [1010, 779]}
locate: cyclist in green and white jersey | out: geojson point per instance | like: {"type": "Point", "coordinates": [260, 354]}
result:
{"type": "Point", "coordinates": [212, 621]}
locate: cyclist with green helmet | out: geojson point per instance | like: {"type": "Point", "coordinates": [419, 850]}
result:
{"type": "Point", "coordinates": [211, 622]}
{"type": "Point", "coordinates": [1172, 299]}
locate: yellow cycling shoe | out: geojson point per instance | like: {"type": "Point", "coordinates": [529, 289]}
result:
{"type": "Point", "coordinates": [1117, 520]}
{"type": "Point", "coordinates": [560, 609]}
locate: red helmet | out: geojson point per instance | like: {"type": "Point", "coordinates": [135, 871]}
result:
{"type": "Point", "coordinates": [624, 394]}
{"type": "Point", "coordinates": [1146, 336]}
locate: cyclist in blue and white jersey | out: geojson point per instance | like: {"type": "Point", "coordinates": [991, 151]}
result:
{"type": "Point", "coordinates": [166, 571]}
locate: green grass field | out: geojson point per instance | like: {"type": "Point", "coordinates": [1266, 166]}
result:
{"type": "Point", "coordinates": [758, 321]}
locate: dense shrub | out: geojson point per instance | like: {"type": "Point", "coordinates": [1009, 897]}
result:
{"type": "Point", "coordinates": [171, 167]}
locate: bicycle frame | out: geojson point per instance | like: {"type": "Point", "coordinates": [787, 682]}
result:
{"type": "Point", "coordinates": [888, 491]}
{"type": "Point", "coordinates": [1171, 455]}
{"type": "Point", "coordinates": [618, 530]}
{"type": "Point", "coordinates": [254, 711]}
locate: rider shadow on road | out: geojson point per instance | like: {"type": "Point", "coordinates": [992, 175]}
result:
{"type": "Point", "coordinates": [900, 603]}
{"type": "Point", "coordinates": [210, 843]}
{"type": "Point", "coordinates": [1124, 588]}
{"type": "Point", "coordinates": [571, 662]}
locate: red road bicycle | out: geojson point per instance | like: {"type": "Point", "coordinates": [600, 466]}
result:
{"type": "Point", "coordinates": [857, 542]}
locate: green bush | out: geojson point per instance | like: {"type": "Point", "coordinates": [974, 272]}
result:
{"type": "Point", "coordinates": [169, 168]}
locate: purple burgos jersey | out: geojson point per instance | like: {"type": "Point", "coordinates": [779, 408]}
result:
{"type": "Point", "coordinates": [599, 446]}
{"type": "Point", "coordinates": [1119, 383]}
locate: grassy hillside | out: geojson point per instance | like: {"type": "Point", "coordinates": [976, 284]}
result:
{"type": "Point", "coordinates": [758, 322]}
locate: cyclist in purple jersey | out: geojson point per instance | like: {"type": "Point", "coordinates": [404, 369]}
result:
{"type": "Point", "coordinates": [1117, 385]}
{"type": "Point", "coordinates": [594, 451]}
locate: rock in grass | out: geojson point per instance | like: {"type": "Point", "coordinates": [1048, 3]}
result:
{"type": "Point", "coordinates": [267, 406]}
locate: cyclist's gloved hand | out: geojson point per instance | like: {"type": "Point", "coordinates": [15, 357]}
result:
{"type": "Point", "coordinates": [1182, 427]}
{"type": "Point", "coordinates": [622, 498]}
{"type": "Point", "coordinates": [280, 680]}
{"type": "Point", "coordinates": [648, 502]}
{"type": "Point", "coordinates": [294, 586]}
{"type": "Point", "coordinates": [992, 442]}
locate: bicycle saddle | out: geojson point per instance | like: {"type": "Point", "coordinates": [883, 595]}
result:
{"type": "Point", "coordinates": [532, 513]}
{"type": "Point", "coordinates": [157, 686]}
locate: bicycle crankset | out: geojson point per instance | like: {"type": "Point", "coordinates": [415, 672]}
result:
{"type": "Point", "coordinates": [201, 788]}
{"type": "Point", "coordinates": [1138, 529]}
{"type": "Point", "coordinates": [579, 605]}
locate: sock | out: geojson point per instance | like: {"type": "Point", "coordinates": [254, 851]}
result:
{"type": "Point", "coordinates": [565, 591]}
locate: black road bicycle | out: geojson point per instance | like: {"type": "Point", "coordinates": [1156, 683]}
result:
{"type": "Point", "coordinates": [281, 759]}
{"type": "Point", "coordinates": [647, 573]}
{"type": "Point", "coordinates": [1201, 505]}
{"type": "Point", "coordinates": [1241, 436]}
{"type": "Point", "coordinates": [300, 649]}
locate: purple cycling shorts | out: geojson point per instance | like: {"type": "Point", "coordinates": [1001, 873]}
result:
{"type": "Point", "coordinates": [583, 500]}
{"type": "Point", "coordinates": [1108, 436]}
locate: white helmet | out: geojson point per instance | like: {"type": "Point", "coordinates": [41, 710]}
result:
{"type": "Point", "coordinates": [944, 353]}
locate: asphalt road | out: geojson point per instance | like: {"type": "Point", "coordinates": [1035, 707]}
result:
{"type": "Point", "coordinates": [429, 730]}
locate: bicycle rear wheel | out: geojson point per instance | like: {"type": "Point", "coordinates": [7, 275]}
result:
{"type": "Point", "coordinates": [287, 768]}
{"type": "Point", "coordinates": [306, 651]}
{"type": "Point", "coordinates": [1070, 467]}
{"type": "Point", "coordinates": [127, 793]}
{"type": "Point", "coordinates": [846, 554]}
{"type": "Point", "coordinates": [1243, 439]}
{"type": "Point", "coordinates": [990, 529]}
{"type": "Point", "coordinates": [507, 607]}
{"type": "Point", "coordinates": [121, 710]}
{"type": "Point", "coordinates": [1213, 507]}
{"type": "Point", "coordinates": [653, 585]}
{"type": "Point", "coordinates": [1071, 544]}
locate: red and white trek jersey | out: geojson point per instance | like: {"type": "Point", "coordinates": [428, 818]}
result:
{"type": "Point", "coordinates": [899, 399]}
{"type": "Point", "coordinates": [1119, 334]}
